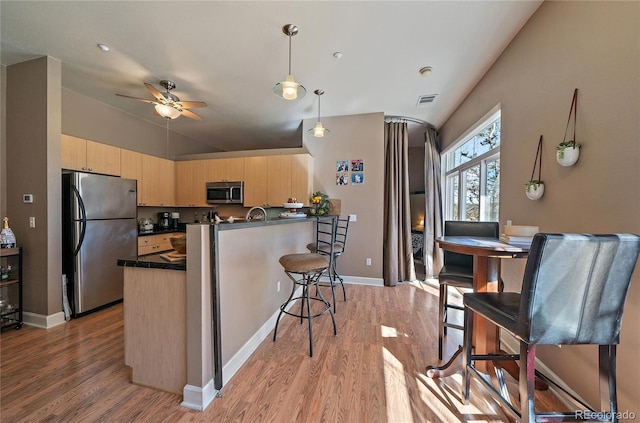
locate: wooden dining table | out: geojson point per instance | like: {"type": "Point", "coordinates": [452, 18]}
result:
{"type": "Point", "coordinates": [487, 255]}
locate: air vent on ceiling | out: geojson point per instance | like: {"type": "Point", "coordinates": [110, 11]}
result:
{"type": "Point", "coordinates": [426, 99]}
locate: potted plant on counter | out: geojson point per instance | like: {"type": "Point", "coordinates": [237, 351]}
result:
{"type": "Point", "coordinates": [319, 204]}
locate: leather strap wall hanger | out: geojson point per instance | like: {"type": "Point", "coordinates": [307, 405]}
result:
{"type": "Point", "coordinates": [535, 187]}
{"type": "Point", "coordinates": [568, 151]}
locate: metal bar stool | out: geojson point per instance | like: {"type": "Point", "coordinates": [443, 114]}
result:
{"type": "Point", "coordinates": [331, 239]}
{"type": "Point", "coordinates": [309, 266]}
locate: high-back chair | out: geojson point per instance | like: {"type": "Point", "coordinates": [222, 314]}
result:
{"type": "Point", "coordinates": [457, 271]}
{"type": "Point", "coordinates": [573, 292]}
{"type": "Point", "coordinates": [331, 240]}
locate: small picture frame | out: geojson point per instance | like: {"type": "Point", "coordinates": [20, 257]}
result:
{"type": "Point", "coordinates": [357, 178]}
{"type": "Point", "coordinates": [342, 179]}
{"type": "Point", "coordinates": [342, 166]}
{"type": "Point", "coordinates": [357, 165]}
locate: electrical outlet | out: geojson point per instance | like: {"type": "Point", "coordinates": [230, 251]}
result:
{"type": "Point", "coordinates": [353, 217]}
{"type": "Point", "coordinates": [368, 261]}
{"type": "Point", "coordinates": [278, 286]}
{"type": "Point", "coordinates": [32, 222]}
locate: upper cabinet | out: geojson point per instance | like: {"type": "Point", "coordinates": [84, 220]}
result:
{"type": "Point", "coordinates": [191, 177]}
{"type": "Point", "coordinates": [231, 169]}
{"type": "Point", "coordinates": [272, 180]}
{"type": "Point", "coordinates": [157, 187]}
{"type": "Point", "coordinates": [255, 181]}
{"type": "Point", "coordinates": [268, 180]}
{"type": "Point", "coordinates": [89, 156]}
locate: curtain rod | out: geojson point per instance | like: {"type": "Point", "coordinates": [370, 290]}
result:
{"type": "Point", "coordinates": [410, 119]}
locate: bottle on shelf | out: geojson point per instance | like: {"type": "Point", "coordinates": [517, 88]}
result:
{"type": "Point", "coordinates": [7, 238]}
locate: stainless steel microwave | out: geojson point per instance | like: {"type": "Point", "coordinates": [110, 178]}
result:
{"type": "Point", "coordinates": [225, 192]}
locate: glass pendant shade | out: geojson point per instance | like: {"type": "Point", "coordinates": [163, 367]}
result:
{"type": "Point", "coordinates": [319, 130]}
{"type": "Point", "coordinates": [167, 111]}
{"type": "Point", "coordinates": [289, 89]}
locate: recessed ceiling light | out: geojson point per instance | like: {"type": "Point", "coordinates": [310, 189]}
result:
{"type": "Point", "coordinates": [103, 47]}
{"type": "Point", "coordinates": [426, 71]}
{"type": "Point", "coordinates": [337, 55]}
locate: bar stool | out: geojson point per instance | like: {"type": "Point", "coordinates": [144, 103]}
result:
{"type": "Point", "coordinates": [309, 267]}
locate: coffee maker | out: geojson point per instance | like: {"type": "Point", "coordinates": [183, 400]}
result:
{"type": "Point", "coordinates": [164, 220]}
{"type": "Point", "coordinates": [175, 219]}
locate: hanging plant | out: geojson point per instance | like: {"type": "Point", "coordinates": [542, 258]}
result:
{"type": "Point", "coordinates": [535, 187]}
{"type": "Point", "coordinates": [568, 152]}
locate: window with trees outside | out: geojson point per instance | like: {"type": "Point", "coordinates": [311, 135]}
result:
{"type": "Point", "coordinates": [472, 173]}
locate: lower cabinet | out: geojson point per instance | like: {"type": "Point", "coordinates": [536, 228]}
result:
{"type": "Point", "coordinates": [150, 244]}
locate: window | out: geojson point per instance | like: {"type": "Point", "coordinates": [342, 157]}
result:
{"type": "Point", "coordinates": [472, 173]}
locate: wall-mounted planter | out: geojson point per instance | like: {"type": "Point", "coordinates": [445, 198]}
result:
{"type": "Point", "coordinates": [568, 151]}
{"type": "Point", "coordinates": [568, 156]}
{"type": "Point", "coordinates": [534, 190]}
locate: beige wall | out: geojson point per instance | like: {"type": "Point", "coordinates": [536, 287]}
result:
{"type": "Point", "coordinates": [592, 46]}
{"type": "Point", "coordinates": [353, 137]}
{"type": "Point", "coordinates": [33, 145]}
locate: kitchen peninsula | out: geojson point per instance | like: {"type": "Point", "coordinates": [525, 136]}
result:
{"type": "Point", "coordinates": [190, 326]}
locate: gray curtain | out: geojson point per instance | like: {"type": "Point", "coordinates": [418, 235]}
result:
{"type": "Point", "coordinates": [433, 204]}
{"type": "Point", "coordinates": [397, 250]}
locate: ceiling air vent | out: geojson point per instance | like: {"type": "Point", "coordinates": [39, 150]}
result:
{"type": "Point", "coordinates": [426, 99]}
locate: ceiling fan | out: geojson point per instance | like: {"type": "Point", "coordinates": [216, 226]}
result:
{"type": "Point", "coordinates": [169, 105]}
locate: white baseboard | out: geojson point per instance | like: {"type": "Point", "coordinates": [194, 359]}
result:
{"type": "Point", "coordinates": [358, 280]}
{"type": "Point", "coordinates": [42, 321]}
{"type": "Point", "coordinates": [197, 398]}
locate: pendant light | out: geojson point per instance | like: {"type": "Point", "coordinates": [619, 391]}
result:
{"type": "Point", "coordinates": [318, 130]}
{"type": "Point", "coordinates": [289, 89]}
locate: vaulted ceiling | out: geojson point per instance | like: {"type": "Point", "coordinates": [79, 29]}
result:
{"type": "Point", "coordinates": [229, 54]}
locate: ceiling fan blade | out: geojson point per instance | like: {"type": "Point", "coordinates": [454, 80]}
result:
{"type": "Point", "coordinates": [190, 114]}
{"type": "Point", "coordinates": [139, 99]}
{"type": "Point", "coordinates": [191, 104]}
{"type": "Point", "coordinates": [157, 94]}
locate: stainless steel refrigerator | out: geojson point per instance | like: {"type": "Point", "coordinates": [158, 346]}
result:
{"type": "Point", "coordinates": [98, 228]}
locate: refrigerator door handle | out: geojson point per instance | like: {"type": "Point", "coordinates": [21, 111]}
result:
{"type": "Point", "coordinates": [83, 220]}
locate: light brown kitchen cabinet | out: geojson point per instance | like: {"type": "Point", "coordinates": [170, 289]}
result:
{"type": "Point", "coordinates": [150, 244]}
{"type": "Point", "coordinates": [278, 180]}
{"type": "Point", "coordinates": [272, 180]}
{"type": "Point", "coordinates": [89, 156]}
{"type": "Point", "coordinates": [191, 179]}
{"type": "Point", "coordinates": [302, 177]}
{"type": "Point", "coordinates": [229, 169]}
{"type": "Point", "coordinates": [255, 181]}
{"type": "Point", "coordinates": [130, 164]}
{"type": "Point", "coordinates": [157, 186]}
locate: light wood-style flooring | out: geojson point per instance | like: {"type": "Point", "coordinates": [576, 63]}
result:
{"type": "Point", "coordinates": [373, 371]}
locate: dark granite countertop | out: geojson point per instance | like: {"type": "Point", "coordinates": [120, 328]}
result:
{"type": "Point", "coordinates": [271, 221]}
{"type": "Point", "coordinates": [157, 231]}
{"type": "Point", "coordinates": [152, 261]}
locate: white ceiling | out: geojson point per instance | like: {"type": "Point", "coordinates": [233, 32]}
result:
{"type": "Point", "coordinates": [230, 53]}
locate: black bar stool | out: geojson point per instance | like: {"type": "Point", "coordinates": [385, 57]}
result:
{"type": "Point", "coordinates": [309, 266]}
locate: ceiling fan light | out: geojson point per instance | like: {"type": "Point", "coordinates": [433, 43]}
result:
{"type": "Point", "coordinates": [167, 111]}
